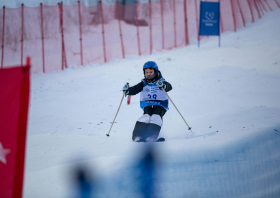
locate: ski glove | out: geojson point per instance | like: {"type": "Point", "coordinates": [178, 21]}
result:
{"type": "Point", "coordinates": [161, 85]}
{"type": "Point", "coordinates": [125, 89]}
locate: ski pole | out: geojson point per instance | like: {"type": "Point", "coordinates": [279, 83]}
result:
{"type": "Point", "coordinates": [177, 110]}
{"type": "Point", "coordinates": [116, 113]}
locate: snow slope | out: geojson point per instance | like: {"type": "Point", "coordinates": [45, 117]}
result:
{"type": "Point", "coordinates": [229, 96]}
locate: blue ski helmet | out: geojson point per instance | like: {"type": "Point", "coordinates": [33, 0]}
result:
{"type": "Point", "coordinates": [150, 65]}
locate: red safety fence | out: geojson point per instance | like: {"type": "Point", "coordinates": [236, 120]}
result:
{"type": "Point", "coordinates": [67, 35]}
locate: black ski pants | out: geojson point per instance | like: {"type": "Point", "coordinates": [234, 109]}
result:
{"type": "Point", "coordinates": [155, 109]}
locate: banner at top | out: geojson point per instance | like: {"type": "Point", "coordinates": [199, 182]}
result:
{"type": "Point", "coordinates": [209, 23]}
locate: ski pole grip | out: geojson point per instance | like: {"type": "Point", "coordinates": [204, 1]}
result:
{"type": "Point", "coordinates": [126, 86]}
{"type": "Point", "coordinates": [160, 85]}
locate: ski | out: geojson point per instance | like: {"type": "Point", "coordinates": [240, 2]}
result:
{"type": "Point", "coordinates": [138, 139]}
{"type": "Point", "coordinates": [145, 132]}
{"type": "Point", "coordinates": [160, 139]}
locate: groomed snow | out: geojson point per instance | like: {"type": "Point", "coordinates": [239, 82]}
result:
{"type": "Point", "coordinates": [229, 96]}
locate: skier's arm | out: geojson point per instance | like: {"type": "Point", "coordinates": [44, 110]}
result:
{"type": "Point", "coordinates": [168, 86]}
{"type": "Point", "coordinates": [135, 89]}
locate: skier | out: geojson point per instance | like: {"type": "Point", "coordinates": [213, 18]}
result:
{"type": "Point", "coordinates": [153, 101]}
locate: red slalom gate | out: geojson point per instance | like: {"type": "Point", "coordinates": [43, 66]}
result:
{"type": "Point", "coordinates": [14, 103]}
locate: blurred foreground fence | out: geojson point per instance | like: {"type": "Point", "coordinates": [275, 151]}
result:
{"type": "Point", "coordinates": [58, 36]}
{"type": "Point", "coordinates": [246, 168]}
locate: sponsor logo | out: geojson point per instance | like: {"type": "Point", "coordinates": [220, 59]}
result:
{"type": "Point", "coordinates": [152, 102]}
{"type": "Point", "coordinates": [209, 15]}
{"type": "Point", "coordinates": [209, 21]}
{"type": "Point", "coordinates": [154, 89]}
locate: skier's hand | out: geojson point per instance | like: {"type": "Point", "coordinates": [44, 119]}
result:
{"type": "Point", "coordinates": [125, 89]}
{"type": "Point", "coordinates": [161, 85]}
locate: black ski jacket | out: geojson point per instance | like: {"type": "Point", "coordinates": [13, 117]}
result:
{"type": "Point", "coordinates": [139, 87]}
